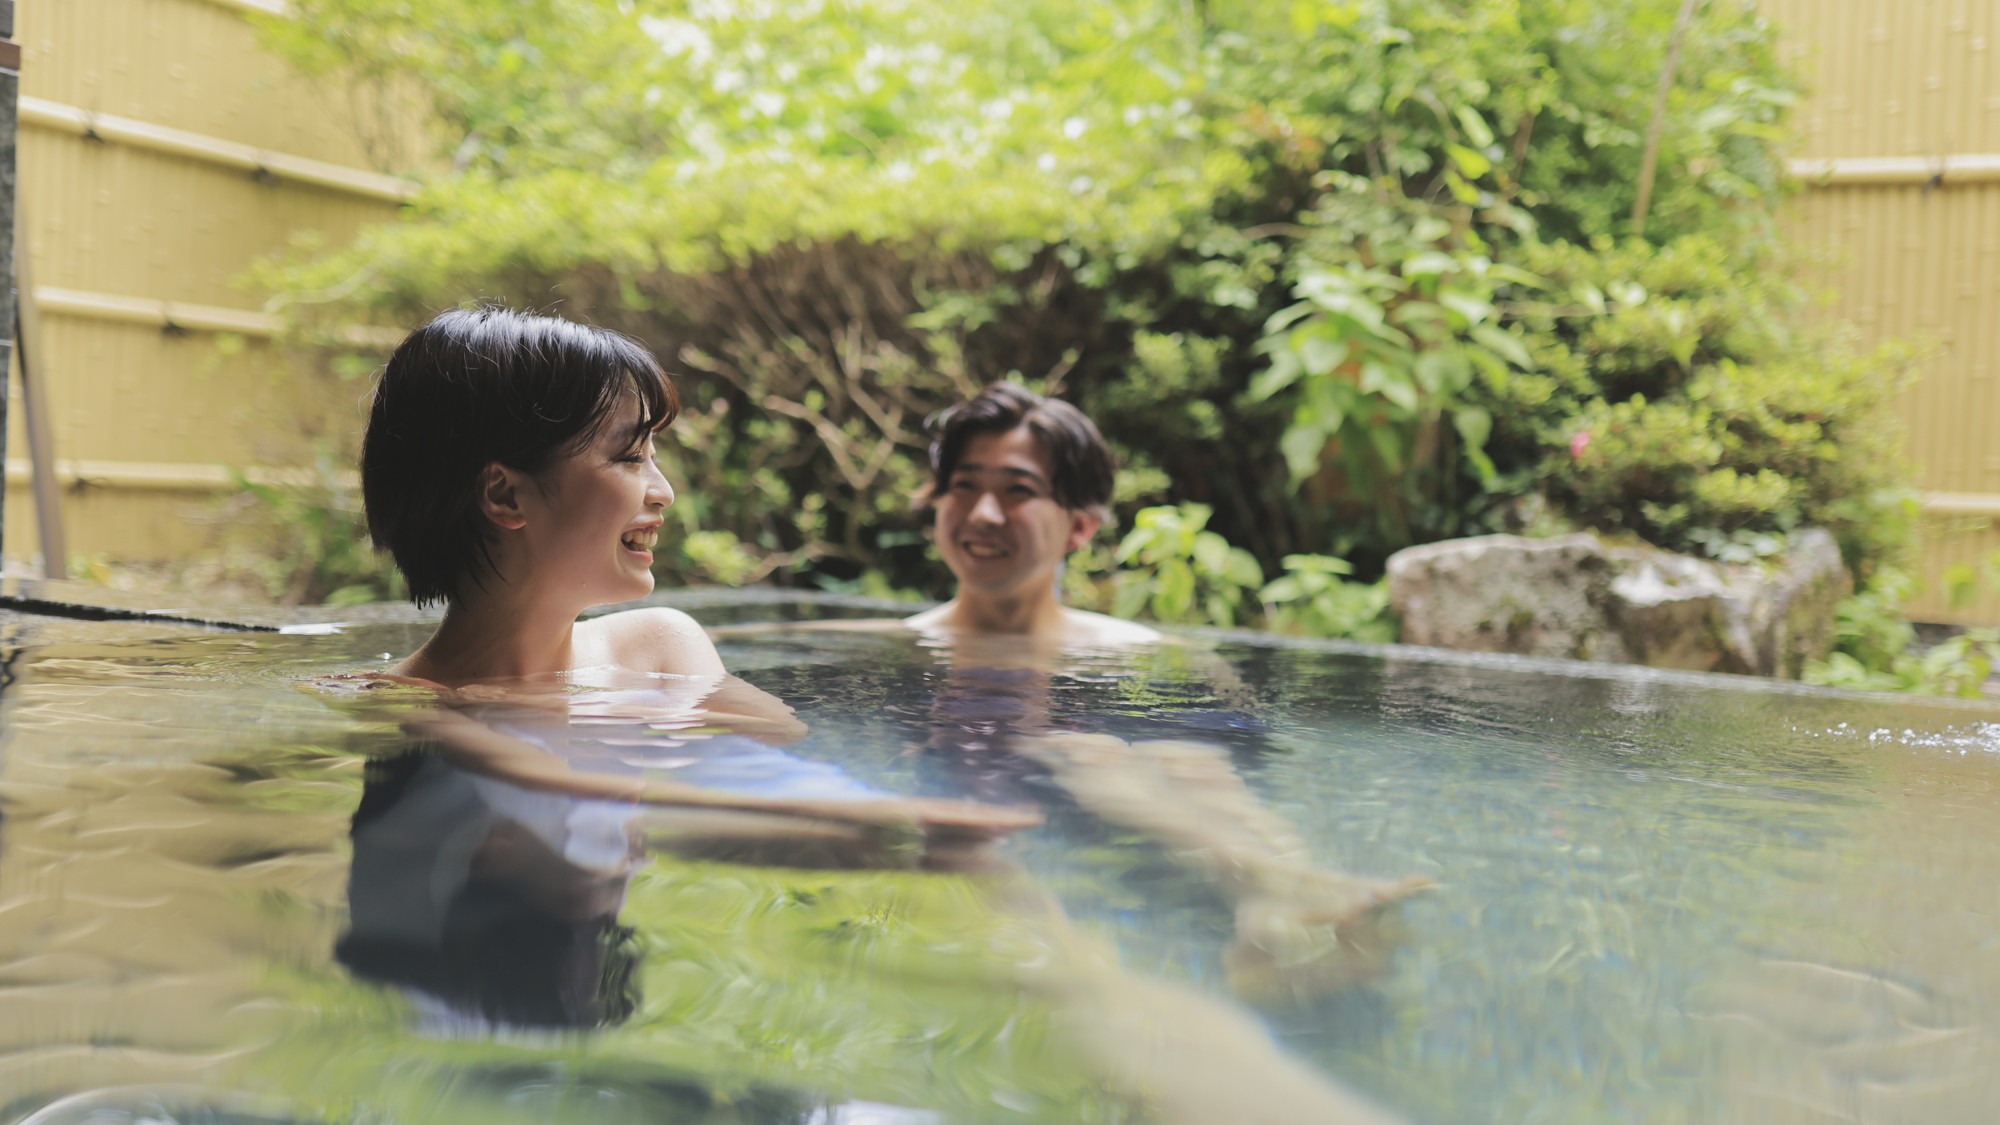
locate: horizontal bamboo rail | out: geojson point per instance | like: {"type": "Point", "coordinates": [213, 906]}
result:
{"type": "Point", "coordinates": [263, 7]}
{"type": "Point", "coordinates": [46, 114]}
{"type": "Point", "coordinates": [185, 317]}
{"type": "Point", "coordinates": [1959, 168]}
{"type": "Point", "coordinates": [1959, 503]}
{"type": "Point", "coordinates": [166, 476]}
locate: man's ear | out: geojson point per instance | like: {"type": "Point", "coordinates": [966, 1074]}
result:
{"type": "Point", "coordinates": [1082, 525]}
{"type": "Point", "coordinates": [500, 496]}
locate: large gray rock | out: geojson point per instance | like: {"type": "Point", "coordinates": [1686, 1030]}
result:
{"type": "Point", "coordinates": [1577, 596]}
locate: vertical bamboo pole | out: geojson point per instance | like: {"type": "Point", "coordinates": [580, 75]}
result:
{"type": "Point", "coordinates": [34, 400]}
{"type": "Point", "coordinates": [10, 128]}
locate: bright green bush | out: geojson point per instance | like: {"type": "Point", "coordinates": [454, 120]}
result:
{"type": "Point", "coordinates": [1877, 649]}
{"type": "Point", "coordinates": [309, 542]}
{"type": "Point", "coordinates": [1177, 571]}
{"type": "Point", "coordinates": [1315, 598]}
{"type": "Point", "coordinates": [1169, 568]}
{"type": "Point", "coordinates": [1673, 394]}
{"type": "Point", "coordinates": [1344, 273]}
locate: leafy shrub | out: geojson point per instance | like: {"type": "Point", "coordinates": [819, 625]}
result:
{"type": "Point", "coordinates": [1314, 599]}
{"type": "Point", "coordinates": [1672, 394]}
{"type": "Point", "coordinates": [1300, 261]}
{"type": "Point", "coordinates": [1176, 570]}
{"type": "Point", "coordinates": [1172, 569]}
{"type": "Point", "coordinates": [1876, 648]}
{"type": "Point", "coordinates": [308, 541]}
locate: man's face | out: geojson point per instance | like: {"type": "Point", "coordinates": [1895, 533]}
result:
{"type": "Point", "coordinates": [999, 526]}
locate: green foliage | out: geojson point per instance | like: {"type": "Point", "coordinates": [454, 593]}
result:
{"type": "Point", "coordinates": [1379, 356]}
{"type": "Point", "coordinates": [1877, 648]}
{"type": "Point", "coordinates": [1173, 570]}
{"type": "Point", "coordinates": [1177, 570]}
{"type": "Point", "coordinates": [1315, 599]}
{"type": "Point", "coordinates": [311, 542]}
{"type": "Point", "coordinates": [1372, 241]}
{"type": "Point", "coordinates": [1672, 395]}
{"type": "Point", "coordinates": [1720, 156]}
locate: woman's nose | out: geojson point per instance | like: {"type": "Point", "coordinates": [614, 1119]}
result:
{"type": "Point", "coordinates": [658, 491]}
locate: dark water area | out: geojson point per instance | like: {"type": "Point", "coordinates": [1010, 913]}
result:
{"type": "Point", "coordinates": [1657, 897]}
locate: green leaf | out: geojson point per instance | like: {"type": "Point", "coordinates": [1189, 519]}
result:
{"type": "Point", "coordinates": [1285, 370]}
{"type": "Point", "coordinates": [1471, 163]}
{"type": "Point", "coordinates": [1960, 585]}
{"type": "Point", "coordinates": [1286, 589]}
{"type": "Point", "coordinates": [1394, 385]}
{"type": "Point", "coordinates": [1302, 446]}
{"type": "Point", "coordinates": [1427, 263]}
{"type": "Point", "coordinates": [1504, 344]}
{"type": "Point", "coordinates": [1318, 564]}
{"type": "Point", "coordinates": [1211, 553]}
{"type": "Point", "coordinates": [1474, 125]}
{"type": "Point", "coordinates": [1242, 568]}
{"type": "Point", "coordinates": [1388, 446]}
{"type": "Point", "coordinates": [1130, 598]}
{"type": "Point", "coordinates": [1322, 354]}
{"type": "Point", "coordinates": [1443, 371]}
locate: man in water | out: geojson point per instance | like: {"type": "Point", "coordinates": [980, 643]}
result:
{"type": "Point", "coordinates": [1018, 482]}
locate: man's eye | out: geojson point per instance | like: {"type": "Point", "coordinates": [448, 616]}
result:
{"type": "Point", "coordinates": [962, 486]}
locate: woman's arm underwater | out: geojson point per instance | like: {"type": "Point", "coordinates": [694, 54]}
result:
{"type": "Point", "coordinates": [477, 746]}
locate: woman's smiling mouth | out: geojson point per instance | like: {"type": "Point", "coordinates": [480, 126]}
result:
{"type": "Point", "coordinates": [640, 540]}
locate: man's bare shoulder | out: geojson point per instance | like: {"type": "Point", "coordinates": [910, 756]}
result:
{"type": "Point", "coordinates": [1081, 626]}
{"type": "Point", "coordinates": [824, 625]}
{"type": "Point", "coordinates": [1077, 627]}
{"type": "Point", "coordinates": [929, 621]}
{"type": "Point", "coordinates": [654, 639]}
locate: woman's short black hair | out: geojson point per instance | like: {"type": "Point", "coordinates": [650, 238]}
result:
{"type": "Point", "coordinates": [478, 386]}
{"type": "Point", "coordinates": [1080, 463]}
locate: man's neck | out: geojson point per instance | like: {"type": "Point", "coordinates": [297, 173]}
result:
{"type": "Point", "coordinates": [1002, 614]}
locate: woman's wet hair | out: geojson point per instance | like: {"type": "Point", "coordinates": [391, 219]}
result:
{"type": "Point", "coordinates": [1079, 462]}
{"type": "Point", "coordinates": [478, 386]}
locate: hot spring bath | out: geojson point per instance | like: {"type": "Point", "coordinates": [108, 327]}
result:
{"type": "Point", "coordinates": [1659, 897]}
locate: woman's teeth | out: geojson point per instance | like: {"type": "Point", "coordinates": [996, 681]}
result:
{"type": "Point", "coordinates": [984, 551]}
{"type": "Point", "coordinates": [640, 540]}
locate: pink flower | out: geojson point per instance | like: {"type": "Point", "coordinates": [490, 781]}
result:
{"type": "Point", "coordinates": [1579, 443]}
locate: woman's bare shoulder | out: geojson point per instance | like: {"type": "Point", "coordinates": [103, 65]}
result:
{"type": "Point", "coordinates": [653, 639]}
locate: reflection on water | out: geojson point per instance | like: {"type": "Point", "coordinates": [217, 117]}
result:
{"type": "Point", "coordinates": [227, 898]}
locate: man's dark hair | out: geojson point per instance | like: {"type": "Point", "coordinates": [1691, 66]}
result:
{"type": "Point", "coordinates": [1080, 464]}
{"type": "Point", "coordinates": [478, 386]}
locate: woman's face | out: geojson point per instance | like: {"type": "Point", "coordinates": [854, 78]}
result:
{"type": "Point", "coordinates": [593, 518]}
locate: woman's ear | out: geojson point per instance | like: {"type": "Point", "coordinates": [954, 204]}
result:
{"type": "Point", "coordinates": [500, 496]}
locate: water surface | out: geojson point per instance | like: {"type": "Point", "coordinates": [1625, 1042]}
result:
{"type": "Point", "coordinates": [1660, 897]}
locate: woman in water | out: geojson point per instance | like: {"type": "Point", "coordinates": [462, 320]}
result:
{"type": "Point", "coordinates": [508, 468]}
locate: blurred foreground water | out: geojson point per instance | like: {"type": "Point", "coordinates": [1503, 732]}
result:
{"type": "Point", "coordinates": [1660, 897]}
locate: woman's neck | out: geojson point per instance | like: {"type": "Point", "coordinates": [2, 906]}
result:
{"type": "Point", "coordinates": [495, 638]}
